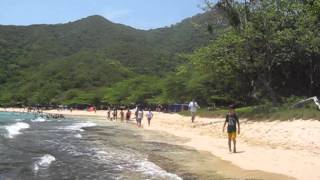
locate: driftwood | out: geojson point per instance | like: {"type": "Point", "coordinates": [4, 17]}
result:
{"type": "Point", "coordinates": [305, 101]}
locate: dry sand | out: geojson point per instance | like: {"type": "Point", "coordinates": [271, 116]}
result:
{"type": "Point", "coordinates": [291, 148]}
{"type": "Point", "coordinates": [285, 147]}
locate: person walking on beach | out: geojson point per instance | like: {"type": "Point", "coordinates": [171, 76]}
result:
{"type": "Point", "coordinates": [139, 117]}
{"type": "Point", "coordinates": [109, 114]}
{"type": "Point", "coordinates": [149, 117]}
{"type": "Point", "coordinates": [121, 115]}
{"type": "Point", "coordinates": [128, 115]}
{"type": "Point", "coordinates": [115, 114]}
{"type": "Point", "coordinates": [232, 120]}
{"type": "Point", "coordinates": [136, 112]}
{"type": "Point", "coordinates": [193, 107]}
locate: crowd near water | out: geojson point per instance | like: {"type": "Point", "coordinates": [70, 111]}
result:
{"type": "Point", "coordinates": [39, 112]}
{"type": "Point", "coordinates": [127, 115]}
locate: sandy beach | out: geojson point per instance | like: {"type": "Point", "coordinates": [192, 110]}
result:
{"type": "Point", "coordinates": [291, 148]}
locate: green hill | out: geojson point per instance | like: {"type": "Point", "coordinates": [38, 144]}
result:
{"type": "Point", "coordinates": [47, 63]}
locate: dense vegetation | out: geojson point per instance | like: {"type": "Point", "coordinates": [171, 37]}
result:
{"type": "Point", "coordinates": [271, 52]}
{"type": "Point", "coordinates": [268, 52]}
{"type": "Point", "coordinates": [76, 62]}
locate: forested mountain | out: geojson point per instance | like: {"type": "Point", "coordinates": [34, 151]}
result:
{"type": "Point", "coordinates": [54, 63]}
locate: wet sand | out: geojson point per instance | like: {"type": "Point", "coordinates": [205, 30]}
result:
{"type": "Point", "coordinates": [199, 164]}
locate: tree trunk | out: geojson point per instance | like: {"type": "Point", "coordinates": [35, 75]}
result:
{"type": "Point", "coordinates": [266, 83]}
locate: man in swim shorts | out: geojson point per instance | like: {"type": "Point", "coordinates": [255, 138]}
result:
{"type": "Point", "coordinates": [232, 120]}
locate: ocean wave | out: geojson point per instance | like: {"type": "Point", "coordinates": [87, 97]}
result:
{"type": "Point", "coordinates": [39, 119]}
{"type": "Point", "coordinates": [15, 129]}
{"type": "Point", "coordinates": [44, 162]}
{"type": "Point", "coordinates": [151, 169]}
{"type": "Point", "coordinates": [80, 126]}
{"type": "Point", "coordinates": [136, 164]}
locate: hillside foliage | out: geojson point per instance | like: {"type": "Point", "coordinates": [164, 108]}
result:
{"type": "Point", "coordinates": [70, 63]}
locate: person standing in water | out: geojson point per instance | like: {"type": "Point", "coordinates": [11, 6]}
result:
{"type": "Point", "coordinates": [193, 107]}
{"type": "Point", "coordinates": [149, 117]}
{"type": "Point", "coordinates": [232, 120]}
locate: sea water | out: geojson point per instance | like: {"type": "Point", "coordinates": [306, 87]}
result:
{"type": "Point", "coordinates": [37, 148]}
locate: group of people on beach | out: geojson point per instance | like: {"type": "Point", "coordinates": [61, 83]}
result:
{"type": "Point", "coordinates": [112, 114]}
{"type": "Point", "coordinates": [232, 122]}
{"type": "Point", "coordinates": [140, 114]}
{"type": "Point", "coordinates": [38, 112]}
{"type": "Point", "coordinates": [52, 116]}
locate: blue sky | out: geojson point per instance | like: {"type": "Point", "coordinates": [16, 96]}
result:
{"type": "Point", "coordinates": [142, 14]}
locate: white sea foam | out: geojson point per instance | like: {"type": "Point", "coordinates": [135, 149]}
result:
{"type": "Point", "coordinates": [79, 126]}
{"type": "Point", "coordinates": [78, 136]}
{"type": "Point", "coordinates": [139, 165]}
{"type": "Point", "coordinates": [15, 129]}
{"type": "Point", "coordinates": [44, 162]}
{"type": "Point", "coordinates": [39, 119]}
{"type": "Point", "coordinates": [151, 169]}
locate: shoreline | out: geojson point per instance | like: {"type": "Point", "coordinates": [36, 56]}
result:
{"type": "Point", "coordinates": [280, 147]}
